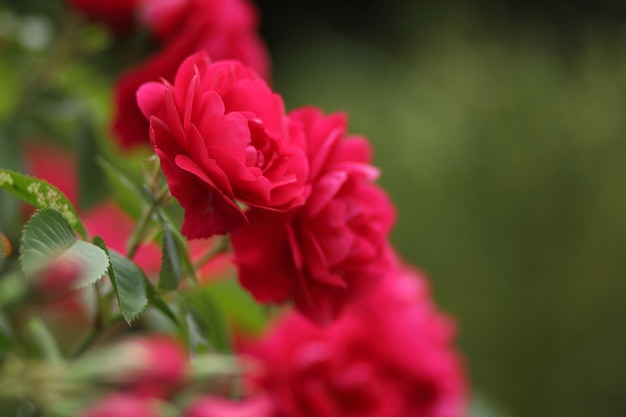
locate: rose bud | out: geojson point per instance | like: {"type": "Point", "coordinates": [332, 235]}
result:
{"type": "Point", "coordinates": [218, 407]}
{"type": "Point", "coordinates": [55, 281]}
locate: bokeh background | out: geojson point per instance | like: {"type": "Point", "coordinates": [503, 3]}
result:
{"type": "Point", "coordinates": [500, 128]}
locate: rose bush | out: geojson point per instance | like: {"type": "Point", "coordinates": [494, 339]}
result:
{"type": "Point", "coordinates": [333, 247]}
{"type": "Point", "coordinates": [389, 355]}
{"type": "Point", "coordinates": [154, 331]}
{"type": "Point", "coordinates": [223, 138]}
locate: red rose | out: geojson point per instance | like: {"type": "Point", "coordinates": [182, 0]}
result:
{"type": "Point", "coordinates": [119, 15]}
{"type": "Point", "coordinates": [158, 369]}
{"type": "Point", "coordinates": [389, 355]}
{"type": "Point", "coordinates": [333, 247]}
{"type": "Point", "coordinates": [56, 281]}
{"type": "Point", "coordinates": [225, 29]}
{"type": "Point", "coordinates": [162, 17]}
{"type": "Point", "coordinates": [223, 137]}
{"type": "Point", "coordinates": [217, 407]}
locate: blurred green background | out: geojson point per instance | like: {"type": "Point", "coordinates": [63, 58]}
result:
{"type": "Point", "coordinates": [500, 128]}
{"type": "Point", "coordinates": [501, 132]}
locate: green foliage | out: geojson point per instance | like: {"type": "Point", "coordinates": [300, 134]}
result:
{"type": "Point", "coordinates": [125, 192]}
{"type": "Point", "coordinates": [157, 302]}
{"type": "Point", "coordinates": [91, 181]}
{"type": "Point", "coordinates": [207, 324]}
{"type": "Point", "coordinates": [48, 238]}
{"type": "Point", "coordinates": [238, 305]}
{"type": "Point", "coordinates": [171, 273]}
{"type": "Point", "coordinates": [128, 281]}
{"type": "Point", "coordinates": [42, 195]}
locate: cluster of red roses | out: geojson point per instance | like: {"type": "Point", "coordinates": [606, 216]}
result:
{"type": "Point", "coordinates": [388, 355]}
{"type": "Point", "coordinates": [307, 223]}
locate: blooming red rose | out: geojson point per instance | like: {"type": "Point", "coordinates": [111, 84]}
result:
{"type": "Point", "coordinates": [117, 14]}
{"type": "Point", "coordinates": [226, 29]}
{"type": "Point", "coordinates": [389, 355]}
{"type": "Point", "coordinates": [159, 366]}
{"type": "Point", "coordinates": [223, 137]}
{"type": "Point", "coordinates": [218, 407]}
{"type": "Point", "coordinates": [333, 247]}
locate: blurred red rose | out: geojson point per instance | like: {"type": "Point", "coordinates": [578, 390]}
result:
{"type": "Point", "coordinates": [56, 280]}
{"type": "Point", "coordinates": [225, 29]}
{"type": "Point", "coordinates": [159, 368]}
{"type": "Point", "coordinates": [335, 246]}
{"type": "Point", "coordinates": [218, 407]}
{"type": "Point", "coordinates": [223, 137]}
{"type": "Point", "coordinates": [119, 15]}
{"type": "Point", "coordinates": [389, 355]}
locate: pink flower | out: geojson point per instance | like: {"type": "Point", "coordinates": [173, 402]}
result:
{"type": "Point", "coordinates": [226, 29]}
{"type": "Point", "coordinates": [117, 14]}
{"type": "Point", "coordinates": [335, 246]}
{"type": "Point", "coordinates": [159, 366]}
{"type": "Point", "coordinates": [123, 405]}
{"type": "Point", "coordinates": [223, 138]}
{"type": "Point", "coordinates": [55, 282]}
{"type": "Point", "coordinates": [218, 407]}
{"type": "Point", "coordinates": [389, 355]}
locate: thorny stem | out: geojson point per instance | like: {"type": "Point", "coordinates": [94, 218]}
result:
{"type": "Point", "coordinates": [220, 246]}
{"type": "Point", "coordinates": [143, 223]}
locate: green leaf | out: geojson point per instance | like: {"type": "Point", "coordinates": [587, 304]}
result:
{"type": "Point", "coordinates": [170, 274]}
{"type": "Point", "coordinates": [181, 245]}
{"type": "Point", "coordinates": [158, 303]}
{"type": "Point", "coordinates": [197, 333]}
{"type": "Point", "coordinates": [7, 342]}
{"type": "Point", "coordinates": [13, 288]}
{"type": "Point", "coordinates": [125, 267]}
{"type": "Point", "coordinates": [208, 317]}
{"type": "Point", "coordinates": [129, 283]}
{"type": "Point", "coordinates": [91, 181]}
{"type": "Point", "coordinates": [125, 193]}
{"type": "Point", "coordinates": [238, 305]}
{"type": "Point", "coordinates": [42, 195]}
{"type": "Point", "coordinates": [47, 237]}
